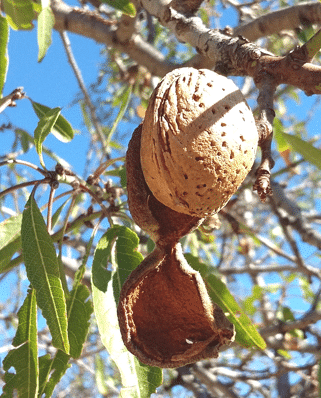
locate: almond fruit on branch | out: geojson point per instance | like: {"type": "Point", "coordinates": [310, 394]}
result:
{"type": "Point", "coordinates": [195, 147]}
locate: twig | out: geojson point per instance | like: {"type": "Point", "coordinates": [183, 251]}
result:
{"type": "Point", "coordinates": [24, 163]}
{"type": "Point", "coordinates": [81, 83]}
{"type": "Point", "coordinates": [264, 123]}
{"type": "Point", "coordinates": [24, 184]}
{"type": "Point", "coordinates": [9, 100]}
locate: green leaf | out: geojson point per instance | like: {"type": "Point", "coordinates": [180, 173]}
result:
{"type": "Point", "coordinates": [308, 151]}
{"type": "Point", "coordinates": [100, 376]}
{"type": "Point", "coordinates": [278, 129]}
{"type": "Point", "coordinates": [285, 314]}
{"type": "Point", "coordinates": [43, 128]}
{"type": "Point", "coordinates": [125, 98]}
{"type": "Point", "coordinates": [43, 272]}
{"type": "Point", "coordinates": [100, 275]}
{"type": "Point", "coordinates": [4, 59]}
{"type": "Point", "coordinates": [57, 213]}
{"type": "Point", "coordinates": [79, 310]}
{"type": "Point", "coordinates": [10, 239]}
{"type": "Point", "coordinates": [46, 21]}
{"type": "Point", "coordinates": [19, 13]}
{"type": "Point", "coordinates": [284, 354]}
{"type": "Point", "coordinates": [24, 358]}
{"type": "Point", "coordinates": [57, 367]}
{"type": "Point", "coordinates": [246, 333]}
{"type": "Point", "coordinates": [138, 380]}
{"type": "Point", "coordinates": [62, 129]}
{"type": "Point", "coordinates": [123, 5]}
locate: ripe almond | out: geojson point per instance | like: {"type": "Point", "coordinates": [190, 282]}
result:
{"type": "Point", "coordinates": [199, 141]}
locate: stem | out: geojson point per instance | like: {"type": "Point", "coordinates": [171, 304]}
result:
{"type": "Point", "coordinates": [81, 83]}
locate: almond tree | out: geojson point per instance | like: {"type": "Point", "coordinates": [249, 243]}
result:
{"type": "Point", "coordinates": [77, 248]}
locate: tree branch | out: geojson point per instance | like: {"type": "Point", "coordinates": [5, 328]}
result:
{"type": "Point", "coordinates": [287, 18]}
{"type": "Point", "coordinates": [91, 24]}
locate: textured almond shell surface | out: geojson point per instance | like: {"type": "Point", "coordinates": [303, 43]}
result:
{"type": "Point", "coordinates": [199, 141]}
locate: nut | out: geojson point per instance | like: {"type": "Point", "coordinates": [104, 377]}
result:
{"type": "Point", "coordinates": [163, 224]}
{"type": "Point", "coordinates": [199, 141]}
{"type": "Point", "coordinates": [165, 314]}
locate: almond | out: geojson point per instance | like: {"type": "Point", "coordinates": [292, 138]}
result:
{"type": "Point", "coordinates": [199, 141]}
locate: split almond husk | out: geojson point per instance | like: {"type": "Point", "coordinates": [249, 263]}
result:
{"type": "Point", "coordinates": [199, 141]}
{"type": "Point", "coordinates": [165, 314]}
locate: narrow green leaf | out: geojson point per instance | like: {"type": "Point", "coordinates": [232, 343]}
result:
{"type": "Point", "coordinates": [4, 59]}
{"type": "Point", "coordinates": [79, 310]}
{"type": "Point", "coordinates": [123, 5]}
{"type": "Point", "coordinates": [24, 358]}
{"type": "Point", "coordinates": [308, 151]}
{"type": "Point", "coordinates": [58, 366]}
{"type": "Point", "coordinates": [43, 128]}
{"type": "Point", "coordinates": [62, 129]}
{"type": "Point", "coordinates": [138, 380]}
{"type": "Point", "coordinates": [57, 213]}
{"type": "Point", "coordinates": [123, 106]}
{"type": "Point", "coordinates": [10, 239]}
{"type": "Point", "coordinates": [46, 21]}
{"type": "Point", "coordinates": [45, 363]}
{"type": "Point", "coordinates": [100, 275]}
{"type": "Point", "coordinates": [100, 376]}
{"type": "Point", "coordinates": [19, 13]}
{"type": "Point", "coordinates": [246, 333]}
{"type": "Point", "coordinates": [278, 129]}
{"type": "Point", "coordinates": [43, 272]}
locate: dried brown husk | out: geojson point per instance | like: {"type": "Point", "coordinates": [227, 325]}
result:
{"type": "Point", "coordinates": [165, 314]}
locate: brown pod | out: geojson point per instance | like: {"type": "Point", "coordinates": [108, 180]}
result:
{"type": "Point", "coordinates": [199, 141]}
{"type": "Point", "coordinates": [165, 315]}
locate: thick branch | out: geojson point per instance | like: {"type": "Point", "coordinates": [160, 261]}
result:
{"type": "Point", "coordinates": [91, 24]}
{"type": "Point", "coordinates": [309, 319]}
{"type": "Point", "coordinates": [237, 56]}
{"type": "Point", "coordinates": [287, 18]}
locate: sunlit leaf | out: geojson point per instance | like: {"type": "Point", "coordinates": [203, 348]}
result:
{"type": "Point", "coordinates": [123, 5]}
{"type": "Point", "coordinates": [284, 354]}
{"type": "Point", "coordinates": [43, 128]}
{"type": "Point", "coordinates": [4, 59]}
{"type": "Point", "coordinates": [246, 333]}
{"type": "Point", "coordinates": [46, 21]}
{"type": "Point", "coordinates": [19, 13]}
{"type": "Point", "coordinates": [138, 380]}
{"type": "Point", "coordinates": [62, 129]}
{"type": "Point", "coordinates": [280, 140]}
{"type": "Point", "coordinates": [10, 240]}
{"type": "Point", "coordinates": [23, 358]}
{"type": "Point", "coordinates": [307, 150]}
{"type": "Point", "coordinates": [100, 376]}
{"type": "Point", "coordinates": [125, 98]}
{"type": "Point", "coordinates": [43, 272]}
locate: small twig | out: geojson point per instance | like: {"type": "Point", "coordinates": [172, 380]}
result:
{"type": "Point", "coordinates": [45, 180]}
{"type": "Point", "coordinates": [53, 186]}
{"type": "Point", "coordinates": [264, 125]}
{"type": "Point", "coordinates": [104, 166]}
{"type": "Point", "coordinates": [81, 83]}
{"type": "Point", "coordinates": [24, 163]}
{"type": "Point", "coordinates": [9, 100]}
{"type": "Point", "coordinates": [24, 184]}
